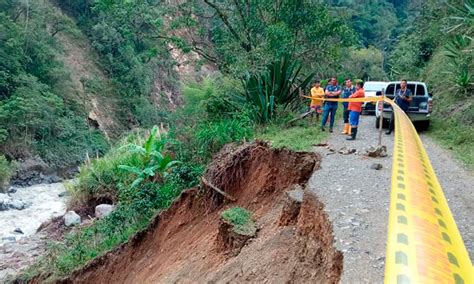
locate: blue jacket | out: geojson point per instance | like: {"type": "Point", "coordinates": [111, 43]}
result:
{"type": "Point", "coordinates": [346, 92]}
{"type": "Point", "coordinates": [403, 104]}
{"type": "Point", "coordinates": [332, 88]}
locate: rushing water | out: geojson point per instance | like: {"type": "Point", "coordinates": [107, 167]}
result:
{"type": "Point", "coordinates": [45, 204]}
{"type": "Point", "coordinates": [17, 251]}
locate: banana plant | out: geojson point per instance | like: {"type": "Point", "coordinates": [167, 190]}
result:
{"type": "Point", "coordinates": [155, 165]}
{"type": "Point", "coordinates": [457, 50]}
{"type": "Point", "coordinates": [277, 86]}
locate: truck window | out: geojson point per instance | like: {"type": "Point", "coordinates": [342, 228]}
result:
{"type": "Point", "coordinates": [390, 91]}
{"type": "Point", "coordinates": [412, 88]}
{"type": "Point", "coordinates": [420, 90]}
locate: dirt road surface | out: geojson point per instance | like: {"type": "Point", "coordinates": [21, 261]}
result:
{"type": "Point", "coordinates": [357, 197]}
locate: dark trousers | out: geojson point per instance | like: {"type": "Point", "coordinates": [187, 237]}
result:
{"type": "Point", "coordinates": [346, 115]}
{"type": "Point", "coordinates": [391, 125]}
{"type": "Point", "coordinates": [329, 110]}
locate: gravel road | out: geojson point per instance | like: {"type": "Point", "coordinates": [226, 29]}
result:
{"type": "Point", "coordinates": [357, 198]}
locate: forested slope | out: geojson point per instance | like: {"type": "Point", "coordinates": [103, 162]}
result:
{"type": "Point", "coordinates": [100, 67]}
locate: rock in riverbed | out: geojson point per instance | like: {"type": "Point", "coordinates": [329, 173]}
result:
{"type": "Point", "coordinates": [17, 204]}
{"type": "Point", "coordinates": [18, 231]}
{"type": "Point", "coordinates": [6, 203]}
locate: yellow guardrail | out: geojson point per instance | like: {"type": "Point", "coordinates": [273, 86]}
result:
{"type": "Point", "coordinates": [423, 243]}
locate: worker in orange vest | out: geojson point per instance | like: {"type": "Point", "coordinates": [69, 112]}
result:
{"type": "Point", "coordinates": [355, 109]}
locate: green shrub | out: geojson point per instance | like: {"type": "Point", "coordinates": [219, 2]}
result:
{"type": "Point", "coordinates": [241, 219]}
{"type": "Point", "coordinates": [134, 162]}
{"type": "Point", "coordinates": [211, 117]}
{"type": "Point", "coordinates": [186, 175]}
{"type": "Point", "coordinates": [154, 163]}
{"type": "Point", "coordinates": [5, 171]}
{"type": "Point", "coordinates": [277, 87]}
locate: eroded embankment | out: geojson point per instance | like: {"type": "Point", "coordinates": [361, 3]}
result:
{"type": "Point", "coordinates": [294, 242]}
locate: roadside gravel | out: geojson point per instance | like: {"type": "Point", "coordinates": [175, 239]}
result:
{"type": "Point", "coordinates": [357, 198]}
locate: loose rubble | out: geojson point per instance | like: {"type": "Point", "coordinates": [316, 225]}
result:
{"type": "Point", "coordinates": [347, 150]}
{"type": "Point", "coordinates": [376, 166]}
{"type": "Point", "coordinates": [31, 171]}
{"type": "Point", "coordinates": [376, 151]}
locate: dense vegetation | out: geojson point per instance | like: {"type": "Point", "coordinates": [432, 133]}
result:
{"type": "Point", "coordinates": [438, 49]}
{"type": "Point", "coordinates": [265, 52]}
{"type": "Point", "coordinates": [38, 114]}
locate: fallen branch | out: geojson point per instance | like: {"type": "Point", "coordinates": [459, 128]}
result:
{"type": "Point", "coordinates": [300, 116]}
{"type": "Point", "coordinates": [204, 181]}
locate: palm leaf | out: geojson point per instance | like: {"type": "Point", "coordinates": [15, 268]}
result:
{"type": "Point", "coordinates": [150, 140]}
{"type": "Point", "coordinates": [130, 169]}
{"type": "Point", "coordinates": [136, 182]}
{"type": "Point", "coordinates": [133, 148]}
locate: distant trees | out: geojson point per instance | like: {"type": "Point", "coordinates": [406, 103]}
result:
{"type": "Point", "coordinates": [244, 35]}
{"type": "Point", "coordinates": [34, 117]}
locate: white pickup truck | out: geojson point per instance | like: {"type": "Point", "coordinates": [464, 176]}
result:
{"type": "Point", "coordinates": [370, 89]}
{"type": "Point", "coordinates": [420, 107]}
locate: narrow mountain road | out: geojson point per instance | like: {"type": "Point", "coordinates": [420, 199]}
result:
{"type": "Point", "coordinates": [357, 198]}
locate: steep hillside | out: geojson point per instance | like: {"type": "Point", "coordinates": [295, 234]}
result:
{"type": "Point", "coordinates": [89, 85]}
{"type": "Point", "coordinates": [42, 110]}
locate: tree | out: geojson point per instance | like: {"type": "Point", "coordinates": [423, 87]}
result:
{"type": "Point", "coordinates": [247, 35]}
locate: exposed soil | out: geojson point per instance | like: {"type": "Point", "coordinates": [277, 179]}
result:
{"type": "Point", "coordinates": [181, 244]}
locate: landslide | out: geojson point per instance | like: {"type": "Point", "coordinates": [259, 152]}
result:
{"type": "Point", "coordinates": [293, 243]}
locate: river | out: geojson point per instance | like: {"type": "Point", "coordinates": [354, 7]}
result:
{"type": "Point", "coordinates": [18, 250]}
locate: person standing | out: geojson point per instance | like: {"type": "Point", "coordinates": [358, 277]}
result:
{"type": "Point", "coordinates": [348, 90]}
{"type": "Point", "coordinates": [403, 98]}
{"type": "Point", "coordinates": [333, 91]}
{"type": "Point", "coordinates": [355, 109]}
{"type": "Point", "coordinates": [317, 93]}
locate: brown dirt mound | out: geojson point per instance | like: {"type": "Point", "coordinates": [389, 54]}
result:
{"type": "Point", "coordinates": [182, 244]}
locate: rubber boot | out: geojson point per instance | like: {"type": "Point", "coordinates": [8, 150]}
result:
{"type": "Point", "coordinates": [353, 134]}
{"type": "Point", "coordinates": [349, 130]}
{"type": "Point", "coordinates": [346, 128]}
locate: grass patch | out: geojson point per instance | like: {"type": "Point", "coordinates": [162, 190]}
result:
{"type": "Point", "coordinates": [241, 219]}
{"type": "Point", "coordinates": [456, 137]}
{"type": "Point", "coordinates": [300, 137]}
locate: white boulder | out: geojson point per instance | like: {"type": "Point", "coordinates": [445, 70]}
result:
{"type": "Point", "coordinates": [17, 204]}
{"type": "Point", "coordinates": [71, 219]}
{"type": "Point", "coordinates": [103, 210]}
